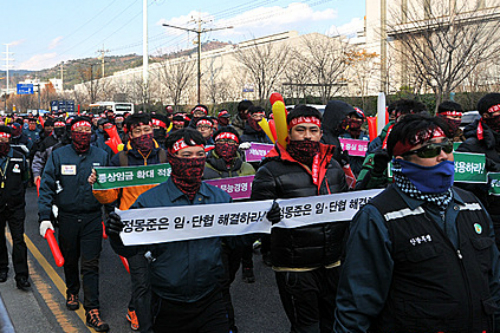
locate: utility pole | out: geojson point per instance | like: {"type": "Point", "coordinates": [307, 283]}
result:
{"type": "Point", "coordinates": [7, 66]}
{"type": "Point", "coordinates": [92, 82]}
{"type": "Point", "coordinates": [145, 55]}
{"type": "Point", "coordinates": [103, 52]}
{"type": "Point", "coordinates": [62, 76]}
{"type": "Point", "coordinates": [383, 46]}
{"type": "Point", "coordinates": [38, 90]}
{"type": "Point", "coordinates": [198, 32]}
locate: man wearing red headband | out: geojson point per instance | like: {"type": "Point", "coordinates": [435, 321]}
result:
{"type": "Point", "coordinates": [421, 254]}
{"type": "Point", "coordinates": [451, 113]}
{"type": "Point", "coordinates": [141, 149]}
{"type": "Point", "coordinates": [225, 161]}
{"type": "Point", "coordinates": [64, 184]}
{"type": "Point", "coordinates": [483, 137]}
{"type": "Point", "coordinates": [160, 124]}
{"type": "Point", "coordinates": [205, 125]}
{"type": "Point", "coordinates": [252, 131]}
{"type": "Point", "coordinates": [185, 275]}
{"type": "Point", "coordinates": [13, 180]}
{"type": "Point", "coordinates": [306, 260]}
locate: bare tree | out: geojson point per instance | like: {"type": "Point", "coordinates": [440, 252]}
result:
{"type": "Point", "coordinates": [296, 74]}
{"type": "Point", "coordinates": [176, 75]}
{"type": "Point", "coordinates": [265, 65]}
{"type": "Point", "coordinates": [444, 41]}
{"type": "Point", "coordinates": [88, 74]}
{"type": "Point", "coordinates": [325, 59]}
{"type": "Point", "coordinates": [363, 65]}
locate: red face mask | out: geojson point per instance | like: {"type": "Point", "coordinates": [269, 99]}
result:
{"type": "Point", "coordinates": [227, 151]}
{"type": "Point", "coordinates": [493, 123]}
{"type": "Point", "coordinates": [4, 148]}
{"type": "Point", "coordinates": [143, 143]}
{"type": "Point", "coordinates": [254, 124]}
{"type": "Point", "coordinates": [31, 127]}
{"type": "Point", "coordinates": [81, 141]}
{"type": "Point", "coordinates": [303, 151]}
{"type": "Point", "coordinates": [186, 173]}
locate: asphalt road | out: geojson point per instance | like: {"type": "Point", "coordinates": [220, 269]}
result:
{"type": "Point", "coordinates": [257, 306]}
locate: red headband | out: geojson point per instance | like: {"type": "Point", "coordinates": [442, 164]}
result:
{"type": "Point", "coordinates": [80, 123]}
{"type": "Point", "coordinates": [59, 123]}
{"type": "Point", "coordinates": [402, 147]}
{"type": "Point", "coordinates": [494, 108]}
{"type": "Point", "coordinates": [199, 108]}
{"type": "Point", "coordinates": [178, 122]}
{"type": "Point", "coordinates": [451, 114]}
{"type": "Point", "coordinates": [158, 122]}
{"type": "Point", "coordinates": [304, 120]}
{"type": "Point", "coordinates": [4, 135]}
{"type": "Point", "coordinates": [132, 126]}
{"type": "Point", "coordinates": [227, 135]}
{"type": "Point", "coordinates": [119, 118]}
{"type": "Point", "coordinates": [204, 122]}
{"type": "Point", "coordinates": [181, 144]}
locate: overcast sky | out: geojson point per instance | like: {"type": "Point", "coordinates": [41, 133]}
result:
{"type": "Point", "coordinates": [41, 34]}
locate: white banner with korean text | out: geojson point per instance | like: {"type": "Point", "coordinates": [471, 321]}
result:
{"type": "Point", "coordinates": [179, 223]}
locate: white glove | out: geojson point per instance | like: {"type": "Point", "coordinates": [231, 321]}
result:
{"type": "Point", "coordinates": [24, 148]}
{"type": "Point", "coordinates": [245, 145]}
{"type": "Point", "coordinates": [44, 226]}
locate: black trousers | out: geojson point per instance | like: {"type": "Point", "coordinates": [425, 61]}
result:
{"type": "Point", "coordinates": [207, 315]}
{"type": "Point", "coordinates": [231, 259]}
{"type": "Point", "coordinates": [141, 291]}
{"type": "Point", "coordinates": [15, 218]}
{"type": "Point", "coordinates": [80, 237]}
{"type": "Point", "coordinates": [309, 299]}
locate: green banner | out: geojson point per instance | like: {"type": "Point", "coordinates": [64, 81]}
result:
{"type": "Point", "coordinates": [117, 177]}
{"type": "Point", "coordinates": [495, 183]}
{"type": "Point", "coordinates": [470, 168]}
{"type": "Point", "coordinates": [456, 144]}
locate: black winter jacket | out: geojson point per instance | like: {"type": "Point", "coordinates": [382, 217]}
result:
{"type": "Point", "coordinates": [280, 176]}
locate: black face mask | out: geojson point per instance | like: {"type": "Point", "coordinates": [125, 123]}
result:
{"type": "Point", "coordinates": [59, 132]}
{"type": "Point", "coordinates": [160, 134]}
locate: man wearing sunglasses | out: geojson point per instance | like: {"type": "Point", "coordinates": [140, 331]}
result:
{"type": "Point", "coordinates": [421, 255]}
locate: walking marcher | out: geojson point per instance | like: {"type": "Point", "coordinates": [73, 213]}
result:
{"type": "Point", "coordinates": [306, 260]}
{"type": "Point", "coordinates": [421, 255]}
{"type": "Point", "coordinates": [141, 149]}
{"type": "Point", "coordinates": [64, 184]}
{"type": "Point", "coordinates": [13, 181]}
{"type": "Point", "coordinates": [184, 275]}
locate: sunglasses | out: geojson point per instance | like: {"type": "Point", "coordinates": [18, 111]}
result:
{"type": "Point", "coordinates": [432, 149]}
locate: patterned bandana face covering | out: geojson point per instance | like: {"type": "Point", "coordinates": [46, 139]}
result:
{"type": "Point", "coordinates": [405, 184]}
{"type": "Point", "coordinates": [493, 123]}
{"type": "Point", "coordinates": [143, 143]}
{"type": "Point", "coordinates": [254, 124]}
{"type": "Point", "coordinates": [227, 151]}
{"type": "Point", "coordinates": [81, 141]}
{"type": "Point", "coordinates": [303, 151]}
{"type": "Point", "coordinates": [186, 173]}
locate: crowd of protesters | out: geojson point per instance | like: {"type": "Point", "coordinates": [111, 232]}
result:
{"type": "Point", "coordinates": [419, 257]}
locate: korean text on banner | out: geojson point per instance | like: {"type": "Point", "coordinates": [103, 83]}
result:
{"type": "Point", "coordinates": [118, 177]}
{"type": "Point", "coordinates": [257, 152]}
{"type": "Point", "coordinates": [237, 187]}
{"type": "Point", "coordinates": [170, 224]}
{"type": "Point", "coordinates": [470, 168]}
{"type": "Point", "coordinates": [354, 147]}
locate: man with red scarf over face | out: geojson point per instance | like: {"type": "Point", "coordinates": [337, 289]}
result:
{"type": "Point", "coordinates": [306, 260]}
{"type": "Point", "coordinates": [141, 149]}
{"type": "Point", "coordinates": [253, 132]}
{"type": "Point", "coordinates": [451, 113]}
{"type": "Point", "coordinates": [64, 184]}
{"type": "Point", "coordinates": [483, 136]}
{"type": "Point", "coordinates": [13, 179]}
{"type": "Point", "coordinates": [184, 275]}
{"type": "Point", "coordinates": [225, 161]}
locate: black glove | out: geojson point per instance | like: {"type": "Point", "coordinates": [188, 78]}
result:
{"type": "Point", "coordinates": [274, 214]}
{"type": "Point", "coordinates": [114, 224]}
{"type": "Point", "coordinates": [380, 160]}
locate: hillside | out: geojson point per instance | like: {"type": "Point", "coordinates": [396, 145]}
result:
{"type": "Point", "coordinates": [75, 71]}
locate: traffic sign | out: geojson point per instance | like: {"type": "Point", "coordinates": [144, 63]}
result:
{"type": "Point", "coordinates": [25, 89]}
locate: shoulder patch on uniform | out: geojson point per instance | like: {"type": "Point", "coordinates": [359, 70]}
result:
{"type": "Point", "coordinates": [403, 213]}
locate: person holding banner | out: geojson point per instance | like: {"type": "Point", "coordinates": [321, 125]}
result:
{"type": "Point", "coordinates": [64, 184]}
{"type": "Point", "coordinates": [225, 161]}
{"type": "Point", "coordinates": [185, 275]}
{"type": "Point", "coordinates": [420, 255]}
{"type": "Point", "coordinates": [141, 149]}
{"type": "Point", "coordinates": [306, 260]}
{"type": "Point", "coordinates": [351, 129]}
{"type": "Point", "coordinates": [483, 137]}
{"type": "Point", "coordinates": [13, 181]}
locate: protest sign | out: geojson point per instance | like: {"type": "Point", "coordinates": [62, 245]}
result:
{"type": "Point", "coordinates": [237, 187]}
{"type": "Point", "coordinates": [169, 224]}
{"type": "Point", "coordinates": [354, 147]}
{"type": "Point", "coordinates": [470, 168]}
{"type": "Point", "coordinates": [257, 152]}
{"type": "Point", "coordinates": [118, 177]}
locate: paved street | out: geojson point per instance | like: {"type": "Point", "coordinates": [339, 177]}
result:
{"type": "Point", "coordinates": [257, 306]}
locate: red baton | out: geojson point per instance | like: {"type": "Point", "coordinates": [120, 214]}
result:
{"type": "Point", "coordinates": [38, 186]}
{"type": "Point", "coordinates": [54, 247]}
{"type": "Point", "coordinates": [125, 263]}
{"type": "Point", "coordinates": [104, 231]}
